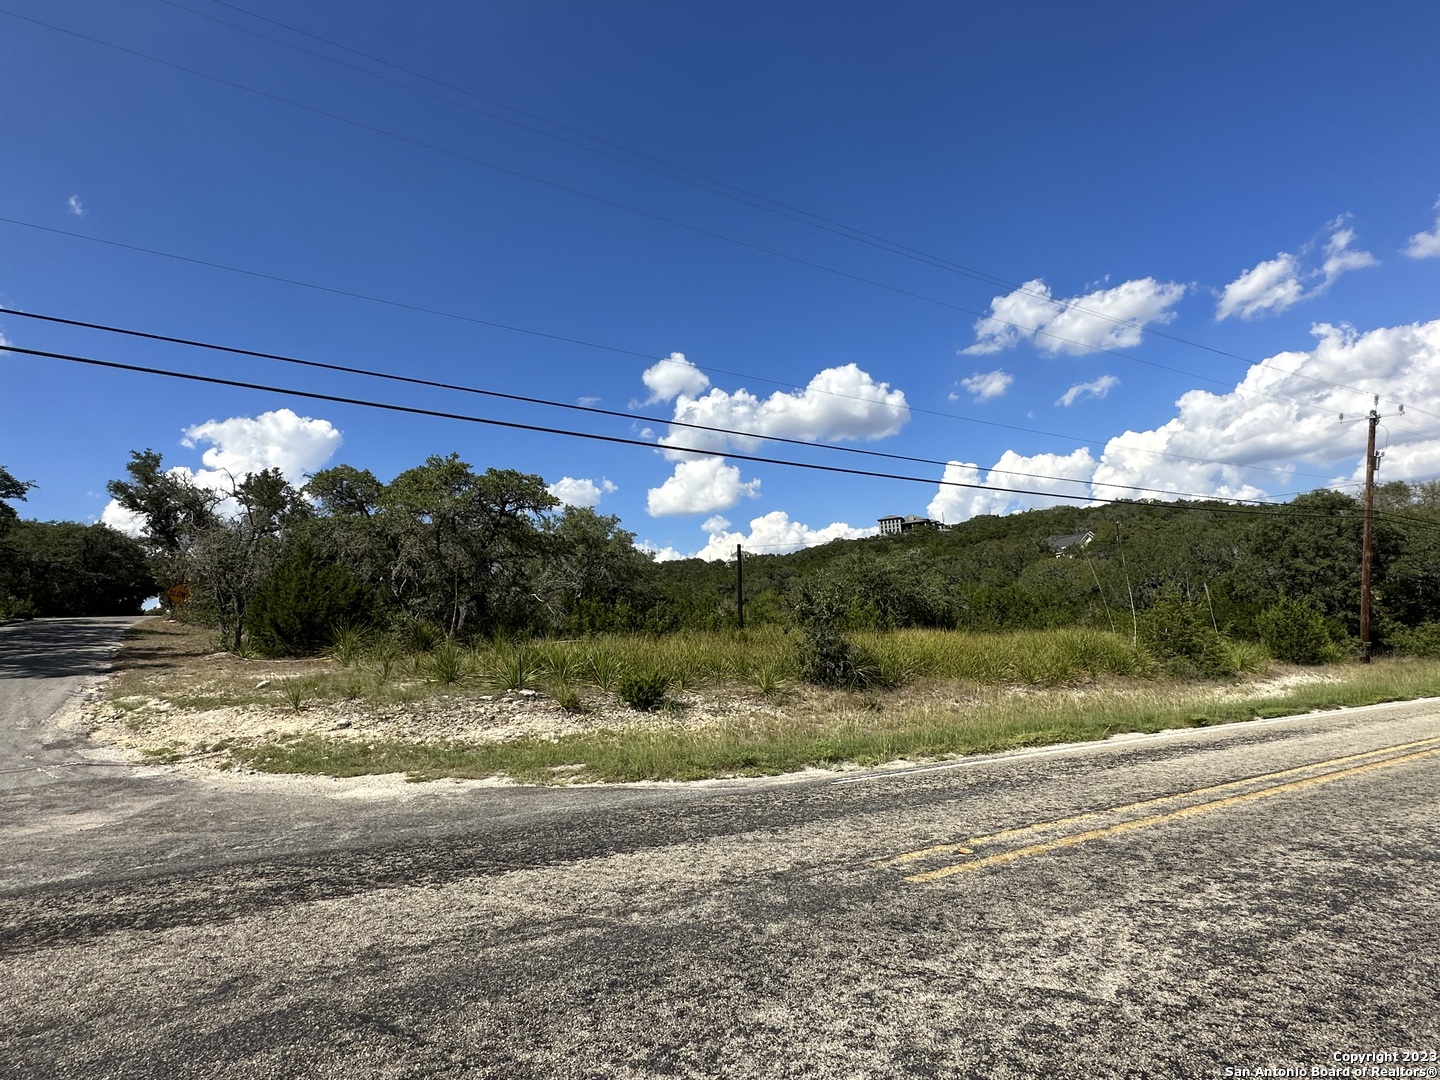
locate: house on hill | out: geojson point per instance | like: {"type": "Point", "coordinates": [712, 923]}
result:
{"type": "Point", "coordinates": [1060, 545]}
{"type": "Point", "coordinates": [895, 525]}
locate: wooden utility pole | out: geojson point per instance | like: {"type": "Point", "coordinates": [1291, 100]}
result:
{"type": "Point", "coordinates": [1369, 536]}
{"type": "Point", "coordinates": [740, 581]}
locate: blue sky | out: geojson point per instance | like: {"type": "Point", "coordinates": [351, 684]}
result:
{"type": "Point", "coordinates": [1259, 183]}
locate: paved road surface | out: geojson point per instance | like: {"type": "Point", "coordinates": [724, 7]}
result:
{"type": "Point", "coordinates": [1262, 895]}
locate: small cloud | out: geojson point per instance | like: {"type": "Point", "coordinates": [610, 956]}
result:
{"type": "Point", "coordinates": [1426, 245]}
{"type": "Point", "coordinates": [581, 492]}
{"type": "Point", "coordinates": [1097, 389]}
{"type": "Point", "coordinates": [715, 524]}
{"type": "Point", "coordinates": [588, 401]}
{"type": "Point", "coordinates": [673, 377]}
{"type": "Point", "coordinates": [1101, 319]}
{"type": "Point", "coordinates": [76, 206]}
{"type": "Point", "coordinates": [987, 384]}
{"type": "Point", "coordinates": [1276, 285]}
{"type": "Point", "coordinates": [700, 486]}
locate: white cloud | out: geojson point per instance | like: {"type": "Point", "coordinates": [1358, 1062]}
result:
{"type": "Point", "coordinates": [1103, 319]}
{"type": "Point", "coordinates": [1282, 416]}
{"type": "Point", "coordinates": [582, 492]}
{"type": "Point", "coordinates": [1268, 287]}
{"type": "Point", "coordinates": [986, 385]}
{"type": "Point", "coordinates": [76, 206]}
{"type": "Point", "coordinates": [125, 521]}
{"type": "Point", "coordinates": [296, 445]}
{"type": "Point", "coordinates": [588, 402]}
{"type": "Point", "coordinates": [1278, 284]}
{"type": "Point", "coordinates": [952, 503]}
{"type": "Point", "coordinates": [661, 554]}
{"type": "Point", "coordinates": [1340, 258]}
{"type": "Point", "coordinates": [672, 377]}
{"type": "Point", "coordinates": [1097, 389]}
{"type": "Point", "coordinates": [715, 524]}
{"type": "Point", "coordinates": [1426, 245]}
{"type": "Point", "coordinates": [773, 534]}
{"type": "Point", "coordinates": [838, 403]}
{"type": "Point", "coordinates": [700, 486]}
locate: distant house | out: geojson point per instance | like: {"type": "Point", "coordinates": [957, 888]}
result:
{"type": "Point", "coordinates": [895, 525]}
{"type": "Point", "coordinates": [1061, 544]}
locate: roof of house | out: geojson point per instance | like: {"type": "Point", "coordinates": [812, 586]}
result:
{"type": "Point", "coordinates": [1060, 543]}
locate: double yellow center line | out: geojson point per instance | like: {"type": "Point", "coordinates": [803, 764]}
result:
{"type": "Point", "coordinates": [1430, 746]}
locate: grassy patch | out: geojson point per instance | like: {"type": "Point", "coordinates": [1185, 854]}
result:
{"type": "Point", "coordinates": [846, 732]}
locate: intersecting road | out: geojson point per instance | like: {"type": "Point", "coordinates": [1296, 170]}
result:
{"type": "Point", "coordinates": [1256, 896]}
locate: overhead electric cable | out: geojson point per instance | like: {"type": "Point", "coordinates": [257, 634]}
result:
{"type": "Point", "coordinates": [1213, 505]}
{"type": "Point", "coordinates": [710, 183]}
{"type": "Point", "coordinates": [594, 410]}
{"type": "Point", "coordinates": [649, 357]}
{"type": "Point", "coordinates": [505, 170]}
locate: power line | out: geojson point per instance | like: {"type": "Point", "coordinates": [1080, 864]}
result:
{"type": "Point", "coordinates": [648, 357]}
{"type": "Point", "coordinates": [710, 184]}
{"type": "Point", "coordinates": [505, 170]}
{"type": "Point", "coordinates": [528, 400]}
{"type": "Point", "coordinates": [1211, 505]}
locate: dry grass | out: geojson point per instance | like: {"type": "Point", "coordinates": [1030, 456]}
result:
{"type": "Point", "coordinates": [736, 706]}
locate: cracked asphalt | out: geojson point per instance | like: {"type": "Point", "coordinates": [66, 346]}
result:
{"type": "Point", "coordinates": [1253, 896]}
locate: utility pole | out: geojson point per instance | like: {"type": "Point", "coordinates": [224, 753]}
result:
{"type": "Point", "coordinates": [740, 580]}
{"type": "Point", "coordinates": [1374, 419]}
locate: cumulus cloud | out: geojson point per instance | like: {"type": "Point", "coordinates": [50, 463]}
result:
{"type": "Point", "coordinates": [1280, 417]}
{"type": "Point", "coordinates": [582, 492]}
{"type": "Point", "coordinates": [838, 403]}
{"type": "Point", "coordinates": [700, 486]}
{"type": "Point", "coordinates": [1097, 389]}
{"type": "Point", "coordinates": [1278, 284]}
{"type": "Point", "coordinates": [773, 534]}
{"type": "Point", "coordinates": [953, 503]}
{"type": "Point", "coordinates": [662, 554]}
{"type": "Point", "coordinates": [76, 206]}
{"type": "Point", "coordinates": [1426, 245]}
{"type": "Point", "coordinates": [122, 520]}
{"type": "Point", "coordinates": [984, 385]}
{"type": "Point", "coordinates": [296, 445]}
{"type": "Point", "coordinates": [1103, 319]}
{"type": "Point", "coordinates": [671, 377]}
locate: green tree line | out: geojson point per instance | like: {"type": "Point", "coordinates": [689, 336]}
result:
{"type": "Point", "coordinates": [445, 551]}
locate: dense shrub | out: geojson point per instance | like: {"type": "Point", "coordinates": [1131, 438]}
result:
{"type": "Point", "coordinates": [1296, 632]}
{"type": "Point", "coordinates": [643, 690]}
{"type": "Point", "coordinates": [1422, 640]}
{"type": "Point", "coordinates": [302, 605]}
{"type": "Point", "coordinates": [1182, 637]}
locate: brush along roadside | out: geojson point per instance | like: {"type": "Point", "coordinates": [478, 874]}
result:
{"type": "Point", "coordinates": [730, 705]}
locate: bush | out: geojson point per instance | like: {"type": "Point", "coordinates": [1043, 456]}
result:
{"type": "Point", "coordinates": [1181, 636]}
{"type": "Point", "coordinates": [1422, 640]}
{"type": "Point", "coordinates": [644, 690]}
{"type": "Point", "coordinates": [824, 655]}
{"type": "Point", "coordinates": [300, 606]}
{"type": "Point", "coordinates": [1296, 633]}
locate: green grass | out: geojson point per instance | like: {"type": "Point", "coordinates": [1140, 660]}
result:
{"type": "Point", "coordinates": [848, 734]}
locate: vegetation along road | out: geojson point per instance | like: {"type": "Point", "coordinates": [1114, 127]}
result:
{"type": "Point", "coordinates": [1176, 904]}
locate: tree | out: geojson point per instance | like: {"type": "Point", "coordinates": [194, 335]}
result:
{"type": "Point", "coordinates": [64, 568]}
{"type": "Point", "coordinates": [173, 510]}
{"type": "Point", "coordinates": [592, 577]}
{"type": "Point", "coordinates": [230, 557]}
{"type": "Point", "coordinates": [462, 546]}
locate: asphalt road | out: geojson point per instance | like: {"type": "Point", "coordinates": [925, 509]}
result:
{"type": "Point", "coordinates": [1255, 896]}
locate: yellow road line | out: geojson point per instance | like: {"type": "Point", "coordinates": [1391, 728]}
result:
{"type": "Point", "coordinates": [963, 848]}
{"type": "Point", "coordinates": [1155, 819]}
